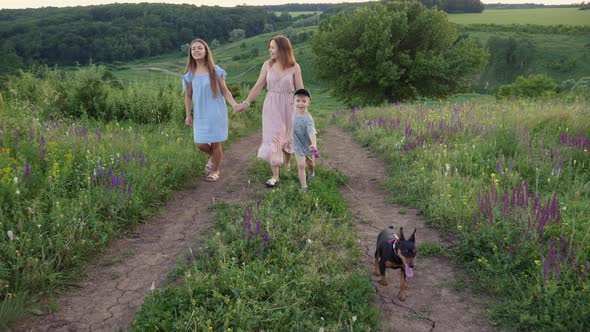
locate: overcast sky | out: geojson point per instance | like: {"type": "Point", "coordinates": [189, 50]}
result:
{"type": "Point", "coordinates": [227, 3]}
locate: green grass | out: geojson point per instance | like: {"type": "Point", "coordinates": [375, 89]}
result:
{"type": "Point", "coordinates": [69, 183]}
{"type": "Point", "coordinates": [559, 56]}
{"type": "Point", "coordinates": [464, 165]}
{"type": "Point", "coordinates": [285, 266]}
{"type": "Point", "coordinates": [538, 16]}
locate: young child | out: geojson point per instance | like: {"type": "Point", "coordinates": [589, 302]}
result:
{"type": "Point", "coordinates": [304, 136]}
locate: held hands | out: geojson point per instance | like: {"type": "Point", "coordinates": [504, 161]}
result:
{"type": "Point", "coordinates": [239, 108]}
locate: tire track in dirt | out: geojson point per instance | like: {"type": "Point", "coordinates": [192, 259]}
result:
{"type": "Point", "coordinates": [117, 281]}
{"type": "Point", "coordinates": [432, 304]}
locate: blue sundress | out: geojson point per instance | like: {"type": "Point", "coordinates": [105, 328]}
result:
{"type": "Point", "coordinates": [210, 123]}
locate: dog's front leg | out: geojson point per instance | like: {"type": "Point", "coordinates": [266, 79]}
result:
{"type": "Point", "coordinates": [402, 285]}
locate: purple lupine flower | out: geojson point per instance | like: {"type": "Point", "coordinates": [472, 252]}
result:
{"type": "Point", "coordinates": [27, 170]}
{"type": "Point", "coordinates": [408, 130]}
{"type": "Point", "coordinates": [42, 148]}
{"type": "Point", "coordinates": [499, 169]}
{"type": "Point", "coordinates": [548, 262]}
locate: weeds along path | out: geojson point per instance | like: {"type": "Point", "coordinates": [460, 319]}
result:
{"type": "Point", "coordinates": [117, 281]}
{"type": "Point", "coordinates": [432, 303]}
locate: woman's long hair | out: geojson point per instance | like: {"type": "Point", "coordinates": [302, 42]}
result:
{"type": "Point", "coordinates": [285, 57]}
{"type": "Point", "coordinates": [191, 64]}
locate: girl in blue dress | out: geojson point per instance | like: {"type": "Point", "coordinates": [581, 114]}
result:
{"type": "Point", "coordinates": [205, 89]}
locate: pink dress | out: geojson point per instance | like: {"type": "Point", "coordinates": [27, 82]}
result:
{"type": "Point", "coordinates": [277, 117]}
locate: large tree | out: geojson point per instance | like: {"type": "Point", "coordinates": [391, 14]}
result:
{"type": "Point", "coordinates": [394, 52]}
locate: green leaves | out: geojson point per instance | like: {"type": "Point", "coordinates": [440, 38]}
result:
{"type": "Point", "coordinates": [393, 52]}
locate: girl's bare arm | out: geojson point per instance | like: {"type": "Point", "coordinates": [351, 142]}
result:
{"type": "Point", "coordinates": [188, 104]}
{"type": "Point", "coordinates": [226, 93]}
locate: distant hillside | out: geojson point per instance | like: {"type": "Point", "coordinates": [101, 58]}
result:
{"type": "Point", "coordinates": [119, 32]}
{"type": "Point", "coordinates": [242, 60]}
{"type": "Point", "coordinates": [561, 54]}
{"type": "Point", "coordinates": [525, 6]}
{"type": "Point", "coordinates": [300, 7]}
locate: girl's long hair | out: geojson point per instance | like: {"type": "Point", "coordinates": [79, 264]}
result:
{"type": "Point", "coordinates": [191, 64]}
{"type": "Point", "coordinates": [285, 57]}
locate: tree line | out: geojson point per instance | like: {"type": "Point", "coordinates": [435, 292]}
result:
{"type": "Point", "coordinates": [118, 32]}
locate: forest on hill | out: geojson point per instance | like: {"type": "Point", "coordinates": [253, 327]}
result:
{"type": "Point", "coordinates": [119, 32]}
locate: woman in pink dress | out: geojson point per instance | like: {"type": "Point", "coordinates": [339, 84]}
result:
{"type": "Point", "coordinates": [282, 76]}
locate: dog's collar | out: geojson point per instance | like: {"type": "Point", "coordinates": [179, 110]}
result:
{"type": "Point", "coordinates": [394, 244]}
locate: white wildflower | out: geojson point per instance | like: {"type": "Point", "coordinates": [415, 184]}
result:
{"type": "Point", "coordinates": [17, 191]}
{"type": "Point", "coordinates": [10, 235]}
{"type": "Point", "coordinates": [15, 179]}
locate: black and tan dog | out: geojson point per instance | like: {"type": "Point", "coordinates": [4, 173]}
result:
{"type": "Point", "coordinates": [396, 253]}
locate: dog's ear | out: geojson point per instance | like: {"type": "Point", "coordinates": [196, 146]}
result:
{"type": "Point", "coordinates": [413, 237]}
{"type": "Point", "coordinates": [401, 234]}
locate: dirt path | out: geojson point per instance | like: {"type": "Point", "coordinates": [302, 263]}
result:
{"type": "Point", "coordinates": [117, 282]}
{"type": "Point", "coordinates": [432, 305]}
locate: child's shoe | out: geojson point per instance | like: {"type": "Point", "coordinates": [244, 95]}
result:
{"type": "Point", "coordinates": [304, 189]}
{"type": "Point", "coordinates": [312, 176]}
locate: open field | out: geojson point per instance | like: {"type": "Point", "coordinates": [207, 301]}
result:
{"type": "Point", "coordinates": [296, 14]}
{"type": "Point", "coordinates": [540, 16]}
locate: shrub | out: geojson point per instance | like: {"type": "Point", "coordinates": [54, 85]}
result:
{"type": "Point", "coordinates": [533, 86]}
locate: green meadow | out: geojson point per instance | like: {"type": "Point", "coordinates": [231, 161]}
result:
{"type": "Point", "coordinates": [537, 16]}
{"type": "Point", "coordinates": [561, 56]}
{"type": "Point", "coordinates": [509, 184]}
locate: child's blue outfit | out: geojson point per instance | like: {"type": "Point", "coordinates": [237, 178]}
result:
{"type": "Point", "coordinates": [210, 123]}
{"type": "Point", "coordinates": [303, 126]}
